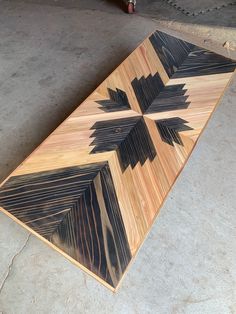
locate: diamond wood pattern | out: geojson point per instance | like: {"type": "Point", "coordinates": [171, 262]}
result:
{"type": "Point", "coordinates": [94, 187]}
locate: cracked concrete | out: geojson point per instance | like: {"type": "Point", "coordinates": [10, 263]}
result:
{"type": "Point", "coordinates": [12, 263]}
{"type": "Point", "coordinates": [50, 59]}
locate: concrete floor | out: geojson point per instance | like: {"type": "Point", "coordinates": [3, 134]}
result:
{"type": "Point", "coordinates": [51, 58]}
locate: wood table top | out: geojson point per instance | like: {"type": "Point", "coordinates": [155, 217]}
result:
{"type": "Point", "coordinates": [93, 188]}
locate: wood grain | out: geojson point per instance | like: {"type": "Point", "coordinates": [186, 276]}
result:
{"type": "Point", "coordinates": [94, 187]}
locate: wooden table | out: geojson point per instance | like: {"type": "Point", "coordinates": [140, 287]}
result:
{"type": "Point", "coordinates": [94, 187]}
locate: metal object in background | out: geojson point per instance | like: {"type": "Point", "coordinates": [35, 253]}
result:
{"type": "Point", "coordinates": [131, 4]}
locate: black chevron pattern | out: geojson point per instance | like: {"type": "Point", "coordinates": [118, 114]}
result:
{"type": "Point", "coordinates": [172, 97]}
{"type": "Point", "coordinates": [77, 209]}
{"type": "Point", "coordinates": [169, 130]}
{"type": "Point", "coordinates": [128, 136]}
{"type": "Point", "coordinates": [182, 59]}
{"type": "Point", "coordinates": [147, 89]}
{"type": "Point", "coordinates": [118, 101]}
{"type": "Point", "coordinates": [204, 62]}
{"type": "Point", "coordinates": [171, 50]}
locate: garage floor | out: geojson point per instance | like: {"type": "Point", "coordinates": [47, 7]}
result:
{"type": "Point", "coordinates": [52, 55]}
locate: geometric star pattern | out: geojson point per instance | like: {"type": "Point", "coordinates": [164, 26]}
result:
{"type": "Point", "coordinates": [94, 187]}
